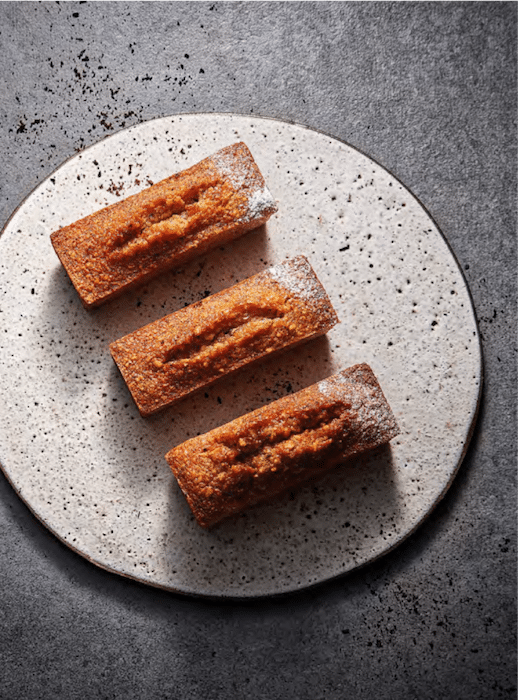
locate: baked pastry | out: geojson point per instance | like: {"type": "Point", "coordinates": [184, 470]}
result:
{"type": "Point", "coordinates": [273, 449]}
{"type": "Point", "coordinates": [165, 225]}
{"type": "Point", "coordinates": [193, 347]}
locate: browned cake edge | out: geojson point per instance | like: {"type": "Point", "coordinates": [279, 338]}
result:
{"type": "Point", "coordinates": [260, 455]}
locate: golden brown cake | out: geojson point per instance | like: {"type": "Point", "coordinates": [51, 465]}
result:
{"type": "Point", "coordinates": [273, 449]}
{"type": "Point", "coordinates": [165, 225]}
{"type": "Point", "coordinates": [193, 347]}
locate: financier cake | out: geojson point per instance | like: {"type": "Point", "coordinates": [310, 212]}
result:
{"type": "Point", "coordinates": [165, 225]}
{"type": "Point", "coordinates": [191, 348]}
{"type": "Point", "coordinates": [275, 448]}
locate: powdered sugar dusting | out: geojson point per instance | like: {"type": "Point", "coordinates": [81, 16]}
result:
{"type": "Point", "coordinates": [259, 202]}
{"type": "Point", "coordinates": [358, 387]}
{"type": "Point", "coordinates": [325, 387]}
{"type": "Point", "coordinates": [236, 171]}
{"type": "Point", "coordinates": [297, 277]}
{"type": "Point", "coordinates": [239, 170]}
{"type": "Point", "coordinates": [341, 386]}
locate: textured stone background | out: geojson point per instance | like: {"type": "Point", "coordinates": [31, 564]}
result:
{"type": "Point", "coordinates": [428, 90]}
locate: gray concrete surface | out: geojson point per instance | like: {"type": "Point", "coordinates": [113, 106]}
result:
{"type": "Point", "coordinates": [428, 90]}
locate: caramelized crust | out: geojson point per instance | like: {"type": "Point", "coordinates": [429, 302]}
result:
{"type": "Point", "coordinates": [193, 347]}
{"type": "Point", "coordinates": [165, 225]}
{"type": "Point", "coordinates": [264, 453]}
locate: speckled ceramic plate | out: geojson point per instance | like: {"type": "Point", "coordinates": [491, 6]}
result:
{"type": "Point", "coordinates": [93, 471]}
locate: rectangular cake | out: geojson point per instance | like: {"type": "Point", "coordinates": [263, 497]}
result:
{"type": "Point", "coordinates": [271, 311]}
{"type": "Point", "coordinates": [165, 225]}
{"type": "Point", "coordinates": [273, 449]}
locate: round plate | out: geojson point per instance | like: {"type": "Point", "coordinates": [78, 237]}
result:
{"type": "Point", "coordinates": [76, 450]}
